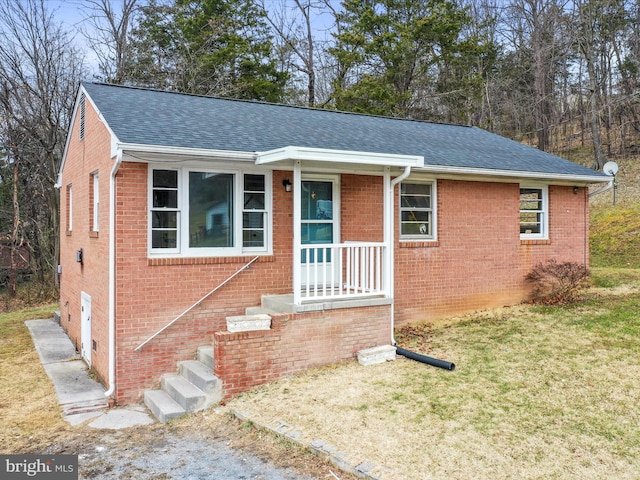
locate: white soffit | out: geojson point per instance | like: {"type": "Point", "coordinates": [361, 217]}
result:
{"type": "Point", "coordinates": [159, 153]}
{"type": "Point", "coordinates": [290, 154]}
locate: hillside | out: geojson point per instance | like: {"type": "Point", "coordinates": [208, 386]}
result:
{"type": "Point", "coordinates": [615, 229]}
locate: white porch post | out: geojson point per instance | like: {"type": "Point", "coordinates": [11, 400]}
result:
{"type": "Point", "coordinates": [297, 241]}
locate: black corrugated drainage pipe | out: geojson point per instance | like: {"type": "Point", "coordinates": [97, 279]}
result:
{"type": "Point", "coordinates": [424, 359]}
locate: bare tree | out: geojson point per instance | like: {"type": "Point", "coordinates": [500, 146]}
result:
{"type": "Point", "coordinates": [536, 34]}
{"type": "Point", "coordinates": [587, 15]}
{"type": "Point", "coordinates": [39, 74]}
{"type": "Point", "coordinates": [295, 35]}
{"type": "Point", "coordinates": [108, 35]}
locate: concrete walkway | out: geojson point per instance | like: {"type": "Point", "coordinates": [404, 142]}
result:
{"type": "Point", "coordinates": [81, 398]}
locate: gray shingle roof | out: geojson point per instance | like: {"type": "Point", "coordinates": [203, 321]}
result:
{"type": "Point", "coordinates": [151, 117]}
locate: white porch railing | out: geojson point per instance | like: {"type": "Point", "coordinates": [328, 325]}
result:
{"type": "Point", "coordinates": [340, 271]}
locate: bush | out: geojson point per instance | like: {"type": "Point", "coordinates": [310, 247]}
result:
{"type": "Point", "coordinates": [557, 283]}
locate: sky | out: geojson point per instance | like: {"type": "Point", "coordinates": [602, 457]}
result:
{"type": "Point", "coordinates": [72, 13]}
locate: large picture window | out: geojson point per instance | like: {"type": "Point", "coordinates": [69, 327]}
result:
{"type": "Point", "coordinates": [198, 213]}
{"type": "Point", "coordinates": [417, 207]}
{"type": "Point", "coordinates": [533, 212]}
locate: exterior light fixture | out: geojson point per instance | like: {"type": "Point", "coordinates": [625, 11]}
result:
{"type": "Point", "coordinates": [575, 190]}
{"type": "Point", "coordinates": [287, 184]}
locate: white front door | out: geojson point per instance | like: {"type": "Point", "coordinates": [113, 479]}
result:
{"type": "Point", "coordinates": [85, 327]}
{"type": "Point", "coordinates": [319, 224]}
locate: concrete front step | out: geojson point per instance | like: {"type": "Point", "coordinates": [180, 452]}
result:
{"type": "Point", "coordinates": [199, 374]}
{"type": "Point", "coordinates": [205, 355]}
{"type": "Point", "coordinates": [185, 393]}
{"type": "Point", "coordinates": [279, 303]}
{"type": "Point", "coordinates": [163, 407]}
{"type": "Point", "coordinates": [193, 388]}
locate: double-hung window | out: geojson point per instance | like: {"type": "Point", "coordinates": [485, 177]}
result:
{"type": "Point", "coordinates": [208, 213]}
{"type": "Point", "coordinates": [417, 211]}
{"type": "Point", "coordinates": [69, 204]}
{"type": "Point", "coordinates": [164, 211]}
{"type": "Point", "coordinates": [95, 197]}
{"type": "Point", "coordinates": [533, 212]}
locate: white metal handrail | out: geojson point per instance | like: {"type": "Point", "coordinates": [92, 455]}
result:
{"type": "Point", "coordinates": [340, 271]}
{"type": "Point", "coordinates": [195, 304]}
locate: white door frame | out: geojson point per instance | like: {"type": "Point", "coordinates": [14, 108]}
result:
{"type": "Point", "coordinates": [85, 327]}
{"type": "Point", "coordinates": [334, 179]}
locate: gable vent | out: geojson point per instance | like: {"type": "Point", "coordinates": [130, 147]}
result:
{"type": "Point", "coordinates": [82, 113]}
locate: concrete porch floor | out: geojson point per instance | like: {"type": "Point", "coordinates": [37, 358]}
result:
{"type": "Point", "coordinates": [284, 303]}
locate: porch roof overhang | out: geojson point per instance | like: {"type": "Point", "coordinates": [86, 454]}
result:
{"type": "Point", "coordinates": [286, 156]}
{"type": "Point", "coordinates": [161, 153]}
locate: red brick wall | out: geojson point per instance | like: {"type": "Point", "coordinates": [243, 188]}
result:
{"type": "Point", "coordinates": [296, 342]}
{"type": "Point", "coordinates": [362, 208]}
{"type": "Point", "coordinates": [479, 260]}
{"type": "Point", "coordinates": [568, 230]}
{"type": "Point", "coordinates": [152, 292]}
{"type": "Point", "coordinates": [471, 266]}
{"type": "Point", "coordinates": [85, 157]}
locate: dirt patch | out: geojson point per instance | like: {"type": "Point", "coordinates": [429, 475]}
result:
{"type": "Point", "coordinates": [201, 446]}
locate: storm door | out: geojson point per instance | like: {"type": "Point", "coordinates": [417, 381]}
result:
{"type": "Point", "coordinates": [319, 226]}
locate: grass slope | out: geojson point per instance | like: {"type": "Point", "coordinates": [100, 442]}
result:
{"type": "Point", "coordinates": [615, 228]}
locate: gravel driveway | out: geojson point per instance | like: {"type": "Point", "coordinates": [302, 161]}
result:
{"type": "Point", "coordinates": [142, 454]}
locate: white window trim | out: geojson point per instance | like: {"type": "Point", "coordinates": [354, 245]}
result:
{"type": "Point", "coordinates": [544, 234]}
{"type": "Point", "coordinates": [182, 249]}
{"type": "Point", "coordinates": [434, 214]}
{"type": "Point", "coordinates": [70, 206]}
{"type": "Point", "coordinates": [163, 251]}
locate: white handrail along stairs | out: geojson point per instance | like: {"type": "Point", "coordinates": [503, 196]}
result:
{"type": "Point", "coordinates": [139, 347]}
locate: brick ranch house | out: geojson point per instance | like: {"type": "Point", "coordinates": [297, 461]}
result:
{"type": "Point", "coordinates": [319, 229]}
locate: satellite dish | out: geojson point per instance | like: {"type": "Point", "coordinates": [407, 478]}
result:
{"type": "Point", "coordinates": [610, 168]}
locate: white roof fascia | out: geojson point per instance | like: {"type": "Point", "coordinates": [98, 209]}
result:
{"type": "Point", "coordinates": [291, 153]}
{"type": "Point", "coordinates": [456, 172]}
{"type": "Point", "coordinates": [184, 151]}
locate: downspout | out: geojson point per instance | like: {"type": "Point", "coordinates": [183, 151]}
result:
{"type": "Point", "coordinates": [390, 242]}
{"type": "Point", "coordinates": [112, 275]}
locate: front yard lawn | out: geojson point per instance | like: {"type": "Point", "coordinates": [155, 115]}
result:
{"type": "Point", "coordinates": [538, 392]}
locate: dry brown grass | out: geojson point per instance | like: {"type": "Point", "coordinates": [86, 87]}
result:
{"type": "Point", "coordinates": [537, 393]}
{"type": "Point", "coordinates": [31, 417]}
